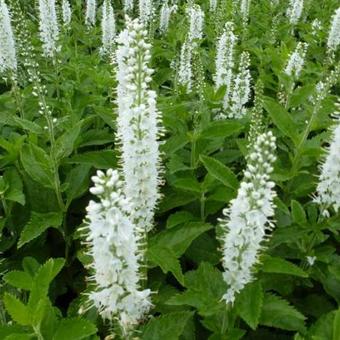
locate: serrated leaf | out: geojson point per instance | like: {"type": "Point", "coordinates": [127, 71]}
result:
{"type": "Point", "coordinates": [220, 171]}
{"type": "Point", "coordinates": [38, 224]}
{"type": "Point", "coordinates": [205, 288]}
{"type": "Point", "coordinates": [298, 213]}
{"type": "Point", "coordinates": [15, 186]}
{"type": "Point", "coordinates": [166, 259]}
{"type": "Point", "coordinates": [166, 327]}
{"type": "Point", "coordinates": [278, 265]}
{"type": "Point", "coordinates": [18, 279]}
{"type": "Point", "coordinates": [75, 329]}
{"type": "Point", "coordinates": [179, 238]}
{"type": "Point", "coordinates": [17, 310]}
{"type": "Point", "coordinates": [281, 119]}
{"type": "Point", "coordinates": [277, 312]}
{"type": "Point", "coordinates": [38, 165]}
{"type": "Point", "coordinates": [249, 304]}
{"type": "Point", "coordinates": [41, 282]}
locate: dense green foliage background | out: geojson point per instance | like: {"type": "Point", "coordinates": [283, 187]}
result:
{"type": "Point", "coordinates": [43, 281]}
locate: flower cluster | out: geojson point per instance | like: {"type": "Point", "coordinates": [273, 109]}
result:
{"type": "Point", "coordinates": [256, 122]}
{"type": "Point", "coordinates": [8, 59]}
{"type": "Point", "coordinates": [146, 11]}
{"type": "Point", "coordinates": [224, 61]}
{"type": "Point", "coordinates": [114, 247]}
{"type": "Point", "coordinates": [196, 21]}
{"type": "Point", "coordinates": [334, 33]}
{"type": "Point", "coordinates": [49, 29]}
{"type": "Point", "coordinates": [195, 33]}
{"type": "Point", "coordinates": [128, 5]}
{"type": "Point", "coordinates": [328, 189]}
{"type": "Point", "coordinates": [138, 127]}
{"type": "Point", "coordinates": [165, 14]}
{"type": "Point", "coordinates": [66, 12]}
{"type": "Point", "coordinates": [294, 11]}
{"type": "Point", "coordinates": [108, 28]}
{"type": "Point", "coordinates": [248, 218]}
{"type": "Point", "coordinates": [296, 61]}
{"type": "Point", "coordinates": [244, 10]}
{"type": "Point", "coordinates": [212, 5]}
{"type": "Point", "coordinates": [185, 66]}
{"type": "Point", "coordinates": [90, 12]}
{"type": "Point", "coordinates": [235, 104]}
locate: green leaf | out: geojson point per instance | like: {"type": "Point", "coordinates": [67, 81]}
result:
{"type": "Point", "coordinates": [7, 330]}
{"type": "Point", "coordinates": [38, 224]}
{"type": "Point", "coordinates": [177, 218]}
{"type": "Point", "coordinates": [166, 259]}
{"type": "Point", "coordinates": [220, 171]}
{"type": "Point", "coordinates": [205, 288]}
{"type": "Point", "coordinates": [179, 238]}
{"type": "Point", "coordinates": [281, 266]}
{"type": "Point", "coordinates": [277, 312]}
{"type": "Point", "coordinates": [221, 129]}
{"type": "Point", "coordinates": [249, 304]}
{"type": "Point", "coordinates": [41, 282]}
{"type": "Point", "coordinates": [17, 310]}
{"type": "Point", "coordinates": [75, 329]}
{"type": "Point", "coordinates": [18, 279]}
{"type": "Point", "coordinates": [15, 187]}
{"type": "Point", "coordinates": [38, 165]}
{"type": "Point", "coordinates": [103, 159]}
{"type": "Point", "coordinates": [281, 119]}
{"type": "Point", "coordinates": [78, 182]}
{"type": "Point", "coordinates": [336, 326]}
{"type": "Point", "coordinates": [65, 143]}
{"type": "Point", "coordinates": [166, 327]}
{"type": "Point", "coordinates": [298, 213]}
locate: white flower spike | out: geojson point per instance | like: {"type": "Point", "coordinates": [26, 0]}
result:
{"type": "Point", "coordinates": [49, 28]}
{"type": "Point", "coordinates": [333, 41]}
{"type": "Point", "coordinates": [114, 247]}
{"type": "Point", "coordinates": [248, 218]}
{"type": "Point", "coordinates": [90, 12]}
{"type": "Point", "coordinates": [108, 28]}
{"type": "Point", "coordinates": [66, 12]}
{"type": "Point", "coordinates": [138, 123]}
{"type": "Point", "coordinates": [8, 59]}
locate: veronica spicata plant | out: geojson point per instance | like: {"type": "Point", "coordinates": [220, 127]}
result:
{"type": "Point", "coordinates": [248, 218]}
{"type": "Point", "coordinates": [138, 123]}
{"type": "Point", "coordinates": [114, 246]}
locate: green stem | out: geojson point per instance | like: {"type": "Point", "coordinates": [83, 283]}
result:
{"type": "Point", "coordinates": [17, 97]}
